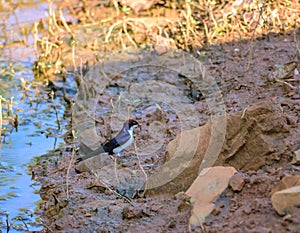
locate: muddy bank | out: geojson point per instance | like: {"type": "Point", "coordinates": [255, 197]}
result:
{"type": "Point", "coordinates": [83, 202]}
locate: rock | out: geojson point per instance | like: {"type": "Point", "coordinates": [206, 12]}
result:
{"type": "Point", "coordinates": [216, 211]}
{"type": "Point", "coordinates": [254, 137]}
{"type": "Point", "coordinates": [163, 44]}
{"type": "Point", "coordinates": [132, 212]}
{"type": "Point", "coordinates": [236, 182]}
{"type": "Point", "coordinates": [296, 158]}
{"type": "Point", "coordinates": [179, 173]}
{"type": "Point", "coordinates": [284, 201]}
{"type": "Point", "coordinates": [285, 183]}
{"type": "Point", "coordinates": [81, 167]}
{"type": "Point", "coordinates": [206, 189]}
{"type": "Point", "coordinates": [247, 210]}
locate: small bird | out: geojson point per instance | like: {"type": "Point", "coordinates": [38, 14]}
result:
{"type": "Point", "coordinates": [123, 139]}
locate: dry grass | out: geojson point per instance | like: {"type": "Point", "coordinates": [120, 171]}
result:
{"type": "Point", "coordinates": [102, 26]}
{"type": "Point", "coordinates": [8, 120]}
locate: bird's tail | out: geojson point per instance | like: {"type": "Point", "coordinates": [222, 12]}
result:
{"type": "Point", "coordinates": [94, 153]}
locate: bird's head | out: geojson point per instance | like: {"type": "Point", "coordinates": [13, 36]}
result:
{"type": "Point", "coordinates": [131, 124]}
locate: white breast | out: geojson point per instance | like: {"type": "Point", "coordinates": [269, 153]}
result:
{"type": "Point", "coordinates": [128, 143]}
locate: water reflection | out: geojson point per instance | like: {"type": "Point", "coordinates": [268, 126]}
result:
{"type": "Point", "coordinates": [18, 194]}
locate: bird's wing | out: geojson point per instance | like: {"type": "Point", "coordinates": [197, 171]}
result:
{"type": "Point", "coordinates": [122, 137]}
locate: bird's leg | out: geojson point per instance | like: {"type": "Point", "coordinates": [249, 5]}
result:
{"type": "Point", "coordinates": [115, 168]}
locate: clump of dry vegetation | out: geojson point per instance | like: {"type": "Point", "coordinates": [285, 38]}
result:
{"type": "Point", "coordinates": [75, 31]}
{"type": "Point", "coordinates": [8, 119]}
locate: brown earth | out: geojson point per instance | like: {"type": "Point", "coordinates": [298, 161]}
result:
{"type": "Point", "coordinates": [83, 203]}
{"type": "Point", "coordinates": [248, 71]}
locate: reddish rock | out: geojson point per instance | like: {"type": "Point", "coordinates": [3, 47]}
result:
{"type": "Point", "coordinates": [206, 189]}
{"type": "Point", "coordinates": [236, 182]}
{"type": "Point", "coordinates": [216, 211]}
{"type": "Point", "coordinates": [254, 138]}
{"type": "Point", "coordinates": [285, 183]}
{"type": "Point", "coordinates": [284, 201]}
{"type": "Point", "coordinates": [185, 155]}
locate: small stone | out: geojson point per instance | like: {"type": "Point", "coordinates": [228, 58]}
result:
{"type": "Point", "coordinates": [296, 158]}
{"type": "Point", "coordinates": [222, 204]}
{"type": "Point", "coordinates": [161, 49]}
{"type": "Point", "coordinates": [236, 182]}
{"type": "Point", "coordinates": [131, 213]}
{"type": "Point", "coordinates": [284, 201]}
{"type": "Point", "coordinates": [247, 210]}
{"type": "Point", "coordinates": [216, 211]}
{"type": "Point", "coordinates": [88, 215]}
{"type": "Point", "coordinates": [292, 121]}
{"type": "Point", "coordinates": [180, 195]}
{"type": "Point", "coordinates": [287, 218]}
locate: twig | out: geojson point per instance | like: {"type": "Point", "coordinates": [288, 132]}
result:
{"type": "Point", "coordinates": [115, 169]}
{"type": "Point", "coordinates": [27, 229]}
{"type": "Point", "coordinates": [111, 190]}
{"type": "Point", "coordinates": [130, 21]}
{"type": "Point", "coordinates": [70, 164]}
{"type": "Point", "coordinates": [55, 22]}
{"type": "Point", "coordinates": [46, 42]}
{"type": "Point", "coordinates": [111, 29]}
{"type": "Point", "coordinates": [244, 112]}
{"type": "Point", "coordinates": [116, 5]}
{"type": "Point", "coordinates": [139, 161]}
{"type": "Point", "coordinates": [127, 34]}
{"type": "Point", "coordinates": [73, 43]}
{"type": "Point", "coordinates": [286, 83]}
{"type": "Point", "coordinates": [250, 49]}
{"type": "Point", "coordinates": [7, 224]}
{"type": "Point", "coordinates": [48, 228]}
{"type": "Point", "coordinates": [62, 18]}
{"type": "Point", "coordinates": [55, 109]}
{"type": "Point", "coordinates": [141, 167]}
{"type": "Point", "coordinates": [296, 40]}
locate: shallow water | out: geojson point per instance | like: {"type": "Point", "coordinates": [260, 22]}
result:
{"type": "Point", "coordinates": [18, 196]}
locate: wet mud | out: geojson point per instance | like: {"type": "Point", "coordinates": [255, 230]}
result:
{"type": "Point", "coordinates": [83, 202]}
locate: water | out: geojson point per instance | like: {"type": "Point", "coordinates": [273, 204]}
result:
{"type": "Point", "coordinates": [18, 193]}
{"type": "Point", "coordinates": [17, 190]}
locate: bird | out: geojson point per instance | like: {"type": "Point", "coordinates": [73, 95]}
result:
{"type": "Point", "coordinates": [121, 141]}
